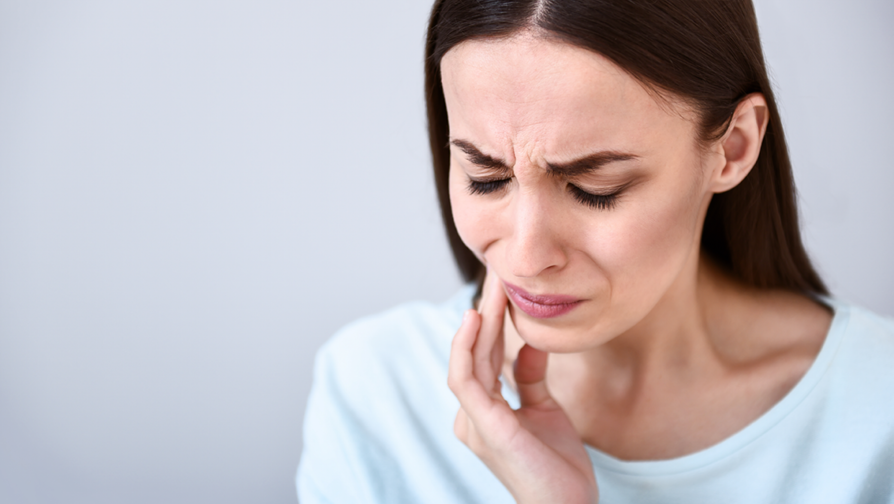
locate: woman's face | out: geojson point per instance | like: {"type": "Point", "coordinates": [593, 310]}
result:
{"type": "Point", "coordinates": [573, 183]}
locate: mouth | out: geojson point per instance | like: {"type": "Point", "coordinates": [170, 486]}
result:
{"type": "Point", "coordinates": [541, 305]}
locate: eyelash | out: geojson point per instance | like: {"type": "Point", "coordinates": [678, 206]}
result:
{"type": "Point", "coordinates": [486, 186]}
{"type": "Point", "coordinates": [596, 201]}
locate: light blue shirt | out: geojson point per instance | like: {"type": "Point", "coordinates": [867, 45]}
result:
{"type": "Point", "coordinates": [379, 426]}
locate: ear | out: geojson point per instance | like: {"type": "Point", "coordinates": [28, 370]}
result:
{"type": "Point", "coordinates": [740, 145]}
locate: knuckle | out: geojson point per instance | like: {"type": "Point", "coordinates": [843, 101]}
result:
{"type": "Point", "coordinates": [452, 383]}
{"type": "Point", "coordinates": [476, 444]}
{"type": "Point", "coordinates": [455, 341]}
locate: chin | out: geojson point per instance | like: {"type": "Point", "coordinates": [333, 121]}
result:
{"type": "Point", "coordinates": [553, 339]}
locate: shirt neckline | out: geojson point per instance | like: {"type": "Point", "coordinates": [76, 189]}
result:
{"type": "Point", "coordinates": [752, 431]}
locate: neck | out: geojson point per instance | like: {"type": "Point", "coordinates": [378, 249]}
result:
{"type": "Point", "coordinates": [710, 357]}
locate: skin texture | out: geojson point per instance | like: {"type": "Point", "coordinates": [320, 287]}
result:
{"type": "Point", "coordinates": [665, 354]}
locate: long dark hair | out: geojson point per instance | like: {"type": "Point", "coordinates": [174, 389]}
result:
{"type": "Point", "coordinates": [705, 51]}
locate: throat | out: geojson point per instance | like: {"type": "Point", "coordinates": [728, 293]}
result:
{"type": "Point", "coordinates": [669, 413]}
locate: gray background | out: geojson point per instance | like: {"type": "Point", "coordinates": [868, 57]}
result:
{"type": "Point", "coordinates": [195, 194]}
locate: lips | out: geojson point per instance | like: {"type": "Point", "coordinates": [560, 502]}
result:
{"type": "Point", "coordinates": [541, 305]}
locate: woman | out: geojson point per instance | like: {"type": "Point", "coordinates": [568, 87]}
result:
{"type": "Point", "coordinates": [650, 328]}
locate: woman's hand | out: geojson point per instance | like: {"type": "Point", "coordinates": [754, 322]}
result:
{"type": "Point", "coordinates": [534, 450]}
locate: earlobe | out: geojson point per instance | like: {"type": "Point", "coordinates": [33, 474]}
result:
{"type": "Point", "coordinates": [741, 144]}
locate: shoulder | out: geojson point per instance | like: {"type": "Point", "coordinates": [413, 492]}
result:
{"type": "Point", "coordinates": [389, 362]}
{"type": "Point", "coordinates": [858, 358]}
{"type": "Point", "coordinates": [846, 427]}
{"type": "Point", "coordinates": [379, 420]}
{"type": "Point", "coordinates": [864, 324]}
{"type": "Point", "coordinates": [408, 336]}
{"type": "Point", "coordinates": [866, 351]}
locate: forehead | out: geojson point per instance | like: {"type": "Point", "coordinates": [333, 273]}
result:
{"type": "Point", "coordinates": [553, 96]}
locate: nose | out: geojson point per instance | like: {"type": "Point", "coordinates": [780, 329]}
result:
{"type": "Point", "coordinates": [535, 245]}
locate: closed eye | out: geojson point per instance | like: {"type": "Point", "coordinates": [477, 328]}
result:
{"type": "Point", "coordinates": [596, 201]}
{"type": "Point", "coordinates": [487, 186]}
{"type": "Point", "coordinates": [592, 200]}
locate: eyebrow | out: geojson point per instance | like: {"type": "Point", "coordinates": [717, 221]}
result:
{"type": "Point", "coordinates": [574, 168]}
{"type": "Point", "coordinates": [479, 158]}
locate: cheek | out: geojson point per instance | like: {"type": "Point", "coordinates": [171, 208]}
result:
{"type": "Point", "coordinates": [468, 214]}
{"type": "Point", "coordinates": [644, 249]}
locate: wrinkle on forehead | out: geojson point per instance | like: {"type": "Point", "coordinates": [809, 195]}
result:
{"type": "Point", "coordinates": [533, 96]}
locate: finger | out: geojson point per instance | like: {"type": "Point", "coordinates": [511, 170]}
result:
{"type": "Point", "coordinates": [461, 426]}
{"type": "Point", "coordinates": [498, 354]}
{"type": "Point", "coordinates": [482, 409]}
{"type": "Point", "coordinates": [530, 377]}
{"type": "Point", "coordinates": [460, 365]}
{"type": "Point", "coordinates": [488, 350]}
{"type": "Point", "coordinates": [472, 394]}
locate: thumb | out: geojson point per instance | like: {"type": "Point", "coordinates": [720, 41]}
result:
{"type": "Point", "coordinates": [530, 376]}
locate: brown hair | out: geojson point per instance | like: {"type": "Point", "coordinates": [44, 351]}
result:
{"type": "Point", "coordinates": [707, 52]}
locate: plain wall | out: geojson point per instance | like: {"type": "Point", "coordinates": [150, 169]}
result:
{"type": "Point", "coordinates": [195, 194]}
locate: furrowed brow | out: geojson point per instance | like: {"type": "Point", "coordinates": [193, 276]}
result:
{"type": "Point", "coordinates": [479, 158]}
{"type": "Point", "coordinates": [588, 164]}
